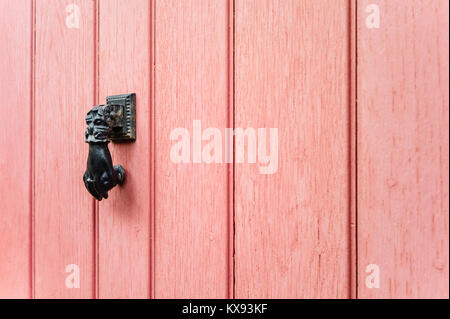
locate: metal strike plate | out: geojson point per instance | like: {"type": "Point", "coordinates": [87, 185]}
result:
{"type": "Point", "coordinates": [123, 128]}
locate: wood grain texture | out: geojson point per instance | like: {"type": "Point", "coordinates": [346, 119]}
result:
{"type": "Point", "coordinates": [124, 218]}
{"type": "Point", "coordinates": [403, 155]}
{"type": "Point", "coordinates": [15, 149]}
{"type": "Point", "coordinates": [191, 208]}
{"type": "Point", "coordinates": [292, 73]}
{"type": "Point", "coordinates": [64, 93]}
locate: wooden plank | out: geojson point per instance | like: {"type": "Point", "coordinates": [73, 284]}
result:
{"type": "Point", "coordinates": [292, 73]}
{"type": "Point", "coordinates": [15, 146]}
{"type": "Point", "coordinates": [124, 218]}
{"type": "Point", "coordinates": [403, 155]}
{"type": "Point", "coordinates": [192, 57]}
{"type": "Point", "coordinates": [64, 230]}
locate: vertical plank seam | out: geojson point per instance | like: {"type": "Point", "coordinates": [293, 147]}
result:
{"type": "Point", "coordinates": [95, 207]}
{"type": "Point", "coordinates": [353, 182]}
{"type": "Point", "coordinates": [356, 148]}
{"type": "Point", "coordinates": [234, 156]}
{"type": "Point", "coordinates": [32, 265]}
{"type": "Point", "coordinates": [152, 25]}
{"type": "Point", "coordinates": [231, 168]}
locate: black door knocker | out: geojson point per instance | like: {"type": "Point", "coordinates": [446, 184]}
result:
{"type": "Point", "coordinates": [115, 121]}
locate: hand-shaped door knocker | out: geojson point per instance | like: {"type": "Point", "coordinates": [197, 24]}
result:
{"type": "Point", "coordinates": [115, 121]}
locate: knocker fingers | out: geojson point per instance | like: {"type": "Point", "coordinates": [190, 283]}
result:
{"type": "Point", "coordinates": [100, 188]}
{"type": "Point", "coordinates": [89, 183]}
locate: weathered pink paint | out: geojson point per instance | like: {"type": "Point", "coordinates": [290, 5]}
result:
{"type": "Point", "coordinates": [192, 55]}
{"type": "Point", "coordinates": [64, 92]}
{"type": "Point", "coordinates": [15, 149]}
{"type": "Point", "coordinates": [124, 228]}
{"type": "Point", "coordinates": [292, 73]}
{"type": "Point", "coordinates": [363, 149]}
{"type": "Point", "coordinates": [403, 212]}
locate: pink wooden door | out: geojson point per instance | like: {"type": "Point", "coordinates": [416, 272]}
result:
{"type": "Point", "coordinates": [354, 204]}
